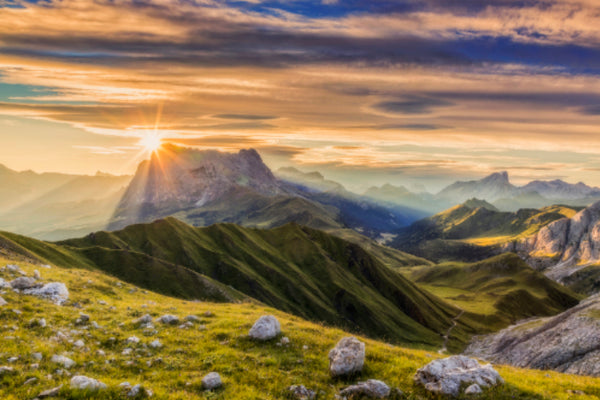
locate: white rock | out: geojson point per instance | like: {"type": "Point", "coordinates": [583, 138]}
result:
{"type": "Point", "coordinates": [54, 291]}
{"type": "Point", "coordinates": [13, 268]}
{"type": "Point", "coordinates": [446, 376]}
{"type": "Point", "coordinates": [6, 370]}
{"type": "Point", "coordinates": [133, 340]}
{"type": "Point", "coordinates": [137, 389]}
{"type": "Point", "coordinates": [285, 340]}
{"type": "Point", "coordinates": [79, 343]}
{"type": "Point", "coordinates": [37, 356]}
{"type": "Point", "coordinates": [156, 344]}
{"type": "Point", "coordinates": [211, 381]}
{"type": "Point", "coordinates": [3, 302]}
{"type": "Point", "coordinates": [36, 275]}
{"type": "Point", "coordinates": [145, 319]}
{"type": "Point", "coordinates": [50, 392]}
{"type": "Point", "coordinates": [85, 383]}
{"type": "Point", "coordinates": [95, 325]}
{"type": "Point", "coordinates": [127, 351]}
{"type": "Point", "coordinates": [169, 319]}
{"type": "Point", "coordinates": [372, 388]}
{"type": "Point", "coordinates": [347, 357]}
{"type": "Point", "coordinates": [192, 318]}
{"type": "Point", "coordinates": [267, 327]}
{"type": "Point", "coordinates": [473, 389]}
{"type": "Point", "coordinates": [62, 360]}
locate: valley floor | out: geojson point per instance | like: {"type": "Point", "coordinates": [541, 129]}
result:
{"type": "Point", "coordinates": [218, 342]}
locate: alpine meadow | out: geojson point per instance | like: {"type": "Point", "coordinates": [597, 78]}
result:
{"type": "Point", "coordinates": [300, 199]}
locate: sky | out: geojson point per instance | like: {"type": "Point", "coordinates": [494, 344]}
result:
{"type": "Point", "coordinates": [415, 92]}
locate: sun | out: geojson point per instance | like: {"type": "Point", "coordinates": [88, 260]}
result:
{"type": "Point", "coordinates": [151, 142]}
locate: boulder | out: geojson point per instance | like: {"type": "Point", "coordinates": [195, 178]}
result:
{"type": "Point", "coordinates": [267, 327]}
{"type": "Point", "coordinates": [23, 283]}
{"type": "Point", "coordinates": [145, 319]}
{"type": "Point", "coordinates": [299, 392]}
{"type": "Point", "coordinates": [85, 383]}
{"type": "Point", "coordinates": [169, 319]}
{"type": "Point", "coordinates": [347, 357]}
{"type": "Point", "coordinates": [211, 381]}
{"type": "Point", "coordinates": [445, 376]}
{"type": "Point", "coordinates": [372, 388]}
{"type": "Point", "coordinates": [56, 292]}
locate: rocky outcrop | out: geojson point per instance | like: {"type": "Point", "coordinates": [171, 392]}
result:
{"type": "Point", "coordinates": [347, 357]}
{"type": "Point", "coordinates": [56, 292]}
{"type": "Point", "coordinates": [568, 342]}
{"type": "Point", "coordinates": [448, 375]}
{"type": "Point", "coordinates": [564, 246]}
{"type": "Point", "coordinates": [266, 328]}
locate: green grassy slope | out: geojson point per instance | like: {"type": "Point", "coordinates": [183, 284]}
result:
{"type": "Point", "coordinates": [297, 269]}
{"type": "Point", "coordinates": [500, 290]}
{"type": "Point", "coordinates": [470, 231]}
{"type": "Point", "coordinates": [249, 370]}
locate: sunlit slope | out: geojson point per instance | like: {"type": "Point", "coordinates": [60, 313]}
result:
{"type": "Point", "coordinates": [249, 370]}
{"type": "Point", "coordinates": [470, 231]}
{"type": "Point", "coordinates": [297, 269]}
{"type": "Point", "coordinates": [500, 290]}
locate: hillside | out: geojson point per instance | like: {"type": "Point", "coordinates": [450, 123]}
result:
{"type": "Point", "coordinates": [296, 269]}
{"type": "Point", "coordinates": [500, 290]}
{"type": "Point", "coordinates": [473, 230]}
{"type": "Point", "coordinates": [216, 341]}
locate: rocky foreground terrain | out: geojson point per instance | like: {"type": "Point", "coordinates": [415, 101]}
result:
{"type": "Point", "coordinates": [568, 342]}
{"type": "Point", "coordinates": [80, 334]}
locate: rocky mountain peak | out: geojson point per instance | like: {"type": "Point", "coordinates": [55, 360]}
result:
{"type": "Point", "coordinates": [497, 177]}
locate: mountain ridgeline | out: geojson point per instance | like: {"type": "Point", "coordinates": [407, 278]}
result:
{"type": "Point", "coordinates": [207, 187]}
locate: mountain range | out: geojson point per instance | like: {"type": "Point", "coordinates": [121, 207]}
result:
{"type": "Point", "coordinates": [495, 189]}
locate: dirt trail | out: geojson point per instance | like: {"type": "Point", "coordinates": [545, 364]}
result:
{"type": "Point", "coordinates": [444, 349]}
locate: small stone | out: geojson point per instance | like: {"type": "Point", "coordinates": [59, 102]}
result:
{"type": "Point", "coordinates": [191, 318]}
{"type": "Point", "coordinates": [41, 323]}
{"type": "Point", "coordinates": [169, 319]}
{"type": "Point", "coordinates": [85, 383]}
{"type": "Point", "coordinates": [267, 327]}
{"type": "Point", "coordinates": [37, 356]}
{"type": "Point", "coordinates": [36, 275]}
{"type": "Point", "coordinates": [127, 351]}
{"type": "Point", "coordinates": [3, 302]}
{"type": "Point", "coordinates": [133, 340]}
{"type": "Point", "coordinates": [137, 390]}
{"type": "Point", "coordinates": [347, 357]}
{"type": "Point", "coordinates": [211, 381]}
{"type": "Point", "coordinates": [208, 314]}
{"type": "Point", "coordinates": [79, 343]}
{"type": "Point", "coordinates": [30, 381]}
{"type": "Point", "coordinates": [285, 340]}
{"type": "Point", "coordinates": [300, 392]}
{"type": "Point", "coordinates": [13, 268]}
{"type": "Point", "coordinates": [6, 371]}
{"type": "Point", "coordinates": [95, 325]}
{"type": "Point", "coordinates": [62, 360]}
{"type": "Point", "coordinates": [473, 389]}
{"type": "Point", "coordinates": [156, 344]}
{"type": "Point", "coordinates": [372, 388]}
{"type": "Point", "coordinates": [50, 392]}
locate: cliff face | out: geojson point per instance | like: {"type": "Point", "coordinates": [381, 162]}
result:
{"type": "Point", "coordinates": [568, 342]}
{"type": "Point", "coordinates": [181, 178]}
{"type": "Point", "coordinates": [564, 246]}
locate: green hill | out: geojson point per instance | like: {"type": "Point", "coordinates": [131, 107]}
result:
{"type": "Point", "coordinates": [500, 290]}
{"type": "Point", "coordinates": [215, 342]}
{"type": "Point", "coordinates": [471, 231]}
{"type": "Point", "coordinates": [296, 269]}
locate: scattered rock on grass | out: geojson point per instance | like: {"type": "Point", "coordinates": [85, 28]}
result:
{"type": "Point", "coordinates": [211, 381]}
{"type": "Point", "coordinates": [3, 302]}
{"type": "Point", "coordinates": [445, 376]}
{"type": "Point", "coordinates": [85, 383]}
{"type": "Point", "coordinates": [50, 392]}
{"type": "Point", "coordinates": [372, 388]}
{"type": "Point", "coordinates": [169, 319]}
{"type": "Point", "coordinates": [300, 392]}
{"type": "Point", "coordinates": [267, 327]}
{"type": "Point", "coordinates": [54, 291]}
{"type": "Point", "coordinates": [62, 360]}
{"type": "Point", "coordinates": [23, 283]}
{"type": "Point", "coordinates": [473, 389]}
{"type": "Point", "coordinates": [6, 371]}
{"type": "Point", "coordinates": [347, 357]}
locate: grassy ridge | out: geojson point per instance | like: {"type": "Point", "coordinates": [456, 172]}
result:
{"type": "Point", "coordinates": [500, 290]}
{"type": "Point", "coordinates": [218, 343]}
{"type": "Point", "coordinates": [297, 269]}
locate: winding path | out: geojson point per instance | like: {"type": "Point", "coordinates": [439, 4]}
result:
{"type": "Point", "coordinates": [444, 349]}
